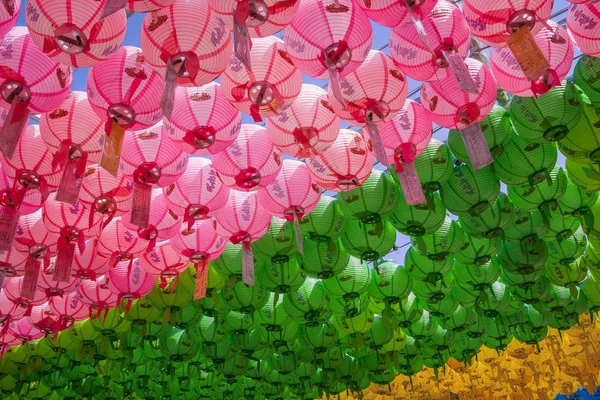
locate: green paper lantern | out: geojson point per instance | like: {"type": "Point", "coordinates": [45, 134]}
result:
{"type": "Point", "coordinates": [278, 244]}
{"type": "Point", "coordinates": [479, 328]}
{"type": "Point", "coordinates": [516, 258]}
{"type": "Point", "coordinates": [496, 301]}
{"type": "Point", "coordinates": [318, 338]}
{"type": "Point", "coordinates": [543, 196]}
{"type": "Point", "coordinates": [434, 166]}
{"type": "Point", "coordinates": [422, 268]}
{"type": "Point", "coordinates": [375, 362]}
{"type": "Point", "coordinates": [211, 305]}
{"type": "Point", "coordinates": [285, 340]}
{"type": "Point", "coordinates": [498, 330]}
{"type": "Point", "coordinates": [178, 346]}
{"type": "Point", "coordinates": [325, 222]}
{"type": "Point", "coordinates": [466, 348]}
{"type": "Point", "coordinates": [390, 283]}
{"type": "Point", "coordinates": [525, 335]}
{"type": "Point", "coordinates": [585, 76]}
{"type": "Point", "coordinates": [396, 344]}
{"type": "Point", "coordinates": [526, 227]}
{"type": "Point", "coordinates": [229, 263]}
{"type": "Point", "coordinates": [221, 352]}
{"type": "Point", "coordinates": [445, 242]}
{"type": "Point", "coordinates": [272, 316]}
{"type": "Point", "coordinates": [592, 225]}
{"type": "Point", "coordinates": [513, 278]}
{"type": "Point", "coordinates": [171, 301]}
{"type": "Point", "coordinates": [576, 201]}
{"type": "Point", "coordinates": [465, 297]}
{"type": "Point", "coordinates": [238, 322]}
{"type": "Point", "coordinates": [323, 259]}
{"type": "Point", "coordinates": [567, 250]}
{"type": "Point", "coordinates": [583, 142]}
{"type": "Point", "coordinates": [459, 319]}
{"type": "Point", "coordinates": [548, 118]}
{"type": "Point", "coordinates": [492, 222]}
{"type": "Point", "coordinates": [477, 278]}
{"type": "Point", "coordinates": [308, 303]}
{"type": "Point", "coordinates": [422, 328]}
{"type": "Point", "coordinates": [433, 292]}
{"type": "Point", "coordinates": [420, 219]}
{"type": "Point", "coordinates": [477, 250]}
{"type": "Point", "coordinates": [497, 344]}
{"type": "Point", "coordinates": [358, 324]}
{"type": "Point", "coordinates": [251, 341]}
{"type": "Point", "coordinates": [208, 331]}
{"type": "Point", "coordinates": [233, 367]}
{"type": "Point", "coordinates": [586, 176]}
{"type": "Point", "coordinates": [369, 241]}
{"type": "Point", "coordinates": [244, 298]}
{"type": "Point", "coordinates": [470, 192]}
{"type": "Point", "coordinates": [525, 164]}
{"type": "Point", "coordinates": [281, 277]}
{"type": "Point", "coordinates": [560, 227]}
{"type": "Point", "coordinates": [534, 294]}
{"type": "Point", "coordinates": [380, 333]}
{"type": "Point", "coordinates": [442, 339]}
{"type": "Point", "coordinates": [567, 275]}
{"type": "Point", "coordinates": [373, 201]}
{"type": "Point", "coordinates": [409, 311]}
{"type": "Point", "coordinates": [497, 130]}
{"type": "Point", "coordinates": [351, 307]}
{"type": "Point", "coordinates": [557, 299]}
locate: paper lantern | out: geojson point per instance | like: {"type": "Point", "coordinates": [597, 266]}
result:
{"type": "Point", "coordinates": [445, 242]}
{"type": "Point", "coordinates": [105, 194]}
{"type": "Point", "coordinates": [150, 158]}
{"type": "Point", "coordinates": [404, 138]}
{"type": "Point", "coordinates": [69, 308]}
{"type": "Point", "coordinates": [451, 107]}
{"type": "Point", "coordinates": [277, 246]}
{"type": "Point", "coordinates": [129, 281]}
{"type": "Point", "coordinates": [527, 227]}
{"type": "Point", "coordinates": [272, 85]}
{"type": "Point", "coordinates": [585, 176]}
{"type": "Point", "coordinates": [12, 263]}
{"type": "Point", "coordinates": [585, 77]}
{"type": "Point", "coordinates": [8, 16]}
{"type": "Point", "coordinates": [421, 268]}
{"type": "Point", "coordinates": [191, 37]}
{"type": "Point", "coordinates": [328, 39]}
{"type": "Point", "coordinates": [97, 296]}
{"type": "Point", "coordinates": [243, 220]}
{"type": "Point", "coordinates": [323, 259]}
{"type": "Point", "coordinates": [434, 167]}
{"type": "Point", "coordinates": [52, 287]}
{"type": "Point", "coordinates": [445, 30]}
{"type": "Point", "coordinates": [556, 48]}
{"type": "Point", "coordinates": [203, 121]}
{"type": "Point", "coordinates": [163, 261]}
{"type": "Point", "coordinates": [32, 201]}
{"type": "Point", "coordinates": [325, 222]}
{"type": "Point", "coordinates": [578, 148]}
{"type": "Point", "coordinates": [24, 331]}
{"type": "Point", "coordinates": [582, 22]}
{"type": "Point", "coordinates": [494, 23]}
{"type": "Point", "coordinates": [118, 243]}
{"type": "Point", "coordinates": [308, 127]}
{"type": "Point", "coordinates": [251, 162]}
{"type": "Point", "coordinates": [200, 244]}
{"type": "Point", "coordinates": [368, 242]}
{"type": "Point", "coordinates": [75, 34]}
{"type": "Point", "coordinates": [391, 13]}
{"type": "Point", "coordinates": [470, 192]}
{"type": "Point", "coordinates": [420, 219]}
{"type": "Point", "coordinates": [497, 130]}
{"type": "Point", "coordinates": [134, 103]}
{"type": "Point", "coordinates": [13, 288]}
{"type": "Point", "coordinates": [345, 165]}
{"type": "Point", "coordinates": [87, 264]}
{"type": "Point", "coordinates": [147, 5]}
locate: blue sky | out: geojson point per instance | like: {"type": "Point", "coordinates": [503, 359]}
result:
{"type": "Point", "coordinates": [380, 39]}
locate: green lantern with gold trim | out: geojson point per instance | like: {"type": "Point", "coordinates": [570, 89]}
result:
{"type": "Point", "coordinates": [323, 259]}
{"type": "Point", "coordinates": [373, 201]}
{"type": "Point", "coordinates": [325, 222]}
{"type": "Point", "coordinates": [445, 242]}
{"type": "Point", "coordinates": [492, 222]}
{"type": "Point", "coordinates": [422, 268]}
{"type": "Point", "coordinates": [308, 303]}
{"type": "Point", "coordinates": [470, 192]}
{"type": "Point", "coordinates": [278, 244]}
{"type": "Point", "coordinates": [586, 76]}
{"type": "Point", "coordinates": [434, 166]}
{"type": "Point", "coordinates": [419, 219]}
{"type": "Point", "coordinates": [478, 250]}
{"type": "Point", "coordinates": [586, 176]}
{"type": "Point", "coordinates": [369, 241]}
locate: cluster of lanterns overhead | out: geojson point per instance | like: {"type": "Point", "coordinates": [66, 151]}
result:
{"type": "Point", "coordinates": [129, 267]}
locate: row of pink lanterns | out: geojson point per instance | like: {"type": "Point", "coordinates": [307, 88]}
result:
{"type": "Point", "coordinates": [88, 244]}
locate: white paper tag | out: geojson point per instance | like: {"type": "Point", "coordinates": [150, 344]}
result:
{"type": "Point", "coordinates": [377, 143]}
{"type": "Point", "coordinates": [241, 43]}
{"type": "Point", "coordinates": [477, 148]}
{"type": "Point", "coordinates": [9, 219]}
{"type": "Point", "coordinates": [411, 185]}
{"type": "Point", "coordinates": [140, 210]}
{"type": "Point", "coordinates": [112, 6]}
{"type": "Point", "coordinates": [247, 264]}
{"type": "Point", "coordinates": [168, 97]}
{"type": "Point", "coordinates": [298, 234]}
{"type": "Point", "coordinates": [460, 72]}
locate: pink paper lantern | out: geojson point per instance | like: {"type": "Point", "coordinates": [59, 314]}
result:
{"type": "Point", "coordinates": [105, 194]}
{"type": "Point", "coordinates": [74, 123]}
{"type": "Point", "coordinates": [251, 162]}
{"type": "Point", "coordinates": [118, 243]}
{"type": "Point", "coordinates": [345, 165]}
{"type": "Point", "coordinates": [9, 12]}
{"type": "Point", "coordinates": [198, 194]}
{"type": "Point", "coordinates": [150, 158]}
{"type": "Point", "coordinates": [199, 245]}
{"type": "Point", "coordinates": [130, 281]}
{"type": "Point", "coordinates": [125, 90]}
{"type": "Point", "coordinates": [272, 85]}
{"type": "Point", "coordinates": [292, 194]}
{"type": "Point", "coordinates": [203, 121]}
{"type": "Point", "coordinates": [583, 24]}
{"type": "Point", "coordinates": [44, 82]}
{"type": "Point", "coordinates": [44, 319]}
{"type": "Point", "coordinates": [13, 288]}
{"type": "Point", "coordinates": [492, 22]}
{"type": "Point", "coordinates": [392, 13]}
{"type": "Point", "coordinates": [142, 6]}
{"type": "Point", "coordinates": [12, 263]}
{"type": "Point", "coordinates": [328, 32]}
{"type": "Point", "coordinates": [163, 223]}
{"type": "Point", "coordinates": [163, 261]}
{"type": "Point", "coordinates": [190, 33]}
{"type": "Point", "coordinates": [446, 29]}
{"type": "Point", "coordinates": [31, 202]}
{"type": "Point", "coordinates": [452, 108]}
{"type": "Point", "coordinates": [69, 308]}
{"type": "Point", "coordinates": [374, 92]}
{"type": "Point", "coordinates": [72, 33]}
{"type": "Point", "coordinates": [34, 240]}
{"type": "Point", "coordinates": [265, 17]}
{"type": "Point", "coordinates": [97, 296]}
{"type": "Point", "coordinates": [556, 48]}
{"type": "Point", "coordinates": [54, 287]}
{"type": "Point", "coordinates": [9, 311]}
{"type": "Point", "coordinates": [307, 127]}
{"type": "Point", "coordinates": [24, 331]}
{"type": "Point", "coordinates": [87, 264]}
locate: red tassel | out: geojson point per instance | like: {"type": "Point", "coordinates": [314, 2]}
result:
{"type": "Point", "coordinates": [61, 156]}
{"type": "Point", "coordinates": [163, 283]}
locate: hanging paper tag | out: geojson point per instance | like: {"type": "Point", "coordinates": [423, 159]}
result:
{"type": "Point", "coordinates": [111, 154]}
{"type": "Point", "coordinates": [411, 185]}
{"type": "Point", "coordinates": [70, 184]}
{"type": "Point", "coordinates": [9, 219]}
{"type": "Point", "coordinates": [377, 143]}
{"type": "Point", "coordinates": [242, 43]}
{"type": "Point", "coordinates": [528, 54]}
{"type": "Point", "coordinates": [168, 97]}
{"type": "Point", "coordinates": [418, 25]}
{"type": "Point", "coordinates": [15, 123]}
{"type": "Point", "coordinates": [30, 279]}
{"type": "Point", "coordinates": [2, 275]}
{"type": "Point", "coordinates": [334, 83]}
{"type": "Point", "coordinates": [64, 261]}
{"type": "Point", "coordinates": [247, 264]}
{"type": "Point", "coordinates": [140, 210]}
{"type": "Point", "coordinates": [460, 71]}
{"type": "Point", "coordinates": [112, 6]}
{"type": "Point", "coordinates": [201, 280]}
{"type": "Point", "coordinates": [478, 150]}
{"type": "Point", "coordinates": [298, 234]}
